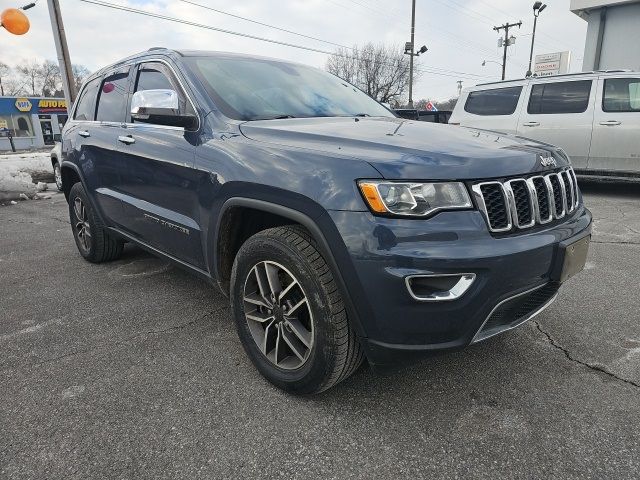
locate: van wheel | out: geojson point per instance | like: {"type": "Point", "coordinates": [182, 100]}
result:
{"type": "Point", "coordinates": [289, 313]}
{"type": "Point", "coordinates": [93, 240]}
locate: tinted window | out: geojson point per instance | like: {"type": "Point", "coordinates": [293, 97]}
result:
{"type": "Point", "coordinates": [254, 89]}
{"type": "Point", "coordinates": [86, 102]}
{"type": "Point", "coordinates": [499, 101]}
{"type": "Point", "coordinates": [560, 97]}
{"type": "Point", "coordinates": [150, 78]}
{"type": "Point", "coordinates": [112, 98]}
{"type": "Point", "coordinates": [621, 95]}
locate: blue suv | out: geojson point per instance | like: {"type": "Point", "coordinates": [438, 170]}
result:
{"type": "Point", "coordinates": [339, 231]}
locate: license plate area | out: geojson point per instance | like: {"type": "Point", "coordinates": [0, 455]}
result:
{"type": "Point", "coordinates": [574, 258]}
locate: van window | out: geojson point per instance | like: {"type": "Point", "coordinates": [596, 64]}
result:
{"type": "Point", "coordinates": [112, 98]}
{"type": "Point", "coordinates": [86, 103]}
{"type": "Point", "coordinates": [498, 101]}
{"type": "Point", "coordinates": [559, 97]}
{"type": "Point", "coordinates": [621, 95]}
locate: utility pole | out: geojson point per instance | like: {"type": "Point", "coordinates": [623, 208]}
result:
{"type": "Point", "coordinates": [459, 87]}
{"type": "Point", "coordinates": [413, 29]}
{"type": "Point", "coordinates": [66, 72]}
{"type": "Point", "coordinates": [507, 42]}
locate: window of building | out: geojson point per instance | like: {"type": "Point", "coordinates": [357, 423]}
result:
{"type": "Point", "coordinates": [18, 125]}
{"type": "Point", "coordinates": [112, 98]}
{"type": "Point", "coordinates": [497, 101]}
{"type": "Point", "coordinates": [86, 103]}
{"type": "Point", "coordinates": [560, 97]}
{"type": "Point", "coordinates": [621, 95]}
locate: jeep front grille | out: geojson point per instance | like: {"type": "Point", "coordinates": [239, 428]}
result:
{"type": "Point", "coordinates": [525, 202]}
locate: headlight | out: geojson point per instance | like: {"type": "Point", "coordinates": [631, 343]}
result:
{"type": "Point", "coordinates": [414, 199]}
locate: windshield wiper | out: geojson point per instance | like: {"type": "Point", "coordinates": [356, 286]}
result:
{"type": "Point", "coordinates": [278, 117]}
{"type": "Point", "coordinates": [361, 115]}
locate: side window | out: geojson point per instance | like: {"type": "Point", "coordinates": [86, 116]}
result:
{"type": "Point", "coordinates": [86, 103]}
{"type": "Point", "coordinates": [621, 95]}
{"type": "Point", "coordinates": [498, 101]}
{"type": "Point", "coordinates": [112, 98]}
{"type": "Point", "coordinates": [155, 75]}
{"type": "Point", "coordinates": [560, 97]}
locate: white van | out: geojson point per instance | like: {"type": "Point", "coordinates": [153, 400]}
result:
{"type": "Point", "coordinates": [594, 117]}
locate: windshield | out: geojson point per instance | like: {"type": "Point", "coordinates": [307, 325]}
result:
{"type": "Point", "coordinates": [259, 89]}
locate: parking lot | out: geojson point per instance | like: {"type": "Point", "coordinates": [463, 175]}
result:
{"type": "Point", "coordinates": [132, 369]}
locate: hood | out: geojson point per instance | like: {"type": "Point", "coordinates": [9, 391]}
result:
{"type": "Point", "coordinates": [408, 149]}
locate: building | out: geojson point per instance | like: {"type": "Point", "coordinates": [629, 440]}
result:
{"type": "Point", "coordinates": [32, 122]}
{"type": "Point", "coordinates": [613, 34]}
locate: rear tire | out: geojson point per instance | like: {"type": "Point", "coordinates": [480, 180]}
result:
{"type": "Point", "coordinates": [317, 346]}
{"type": "Point", "coordinates": [57, 173]}
{"type": "Point", "coordinates": [93, 240]}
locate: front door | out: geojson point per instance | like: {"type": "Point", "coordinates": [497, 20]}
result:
{"type": "Point", "coordinates": [616, 125]}
{"type": "Point", "coordinates": [561, 113]}
{"type": "Point", "coordinates": [159, 188]}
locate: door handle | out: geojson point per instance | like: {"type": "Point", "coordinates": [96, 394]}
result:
{"type": "Point", "coordinates": [84, 133]}
{"type": "Point", "coordinates": [128, 139]}
{"type": "Point", "coordinates": [531, 124]}
{"type": "Point", "coordinates": [610, 123]}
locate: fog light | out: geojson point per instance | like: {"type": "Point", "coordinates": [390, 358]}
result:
{"type": "Point", "coordinates": [439, 287]}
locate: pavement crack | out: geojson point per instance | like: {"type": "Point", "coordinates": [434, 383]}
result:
{"type": "Point", "coordinates": [97, 348]}
{"type": "Point", "coordinates": [623, 242]}
{"type": "Point", "coordinates": [597, 368]}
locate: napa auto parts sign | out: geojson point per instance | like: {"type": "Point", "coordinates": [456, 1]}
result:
{"type": "Point", "coordinates": [552, 64]}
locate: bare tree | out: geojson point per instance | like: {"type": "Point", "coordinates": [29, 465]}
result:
{"type": "Point", "coordinates": [30, 73]}
{"type": "Point", "coordinates": [382, 71]}
{"type": "Point", "coordinates": [50, 78]}
{"type": "Point", "coordinates": [80, 73]}
{"type": "Point", "coordinates": [5, 71]}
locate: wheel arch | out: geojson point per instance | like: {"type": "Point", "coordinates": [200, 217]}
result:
{"type": "Point", "coordinates": [319, 225]}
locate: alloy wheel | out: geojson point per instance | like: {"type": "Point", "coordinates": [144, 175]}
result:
{"type": "Point", "coordinates": [83, 229]}
{"type": "Point", "coordinates": [58, 176]}
{"type": "Point", "coordinates": [278, 315]}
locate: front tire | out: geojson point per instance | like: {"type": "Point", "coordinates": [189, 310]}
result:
{"type": "Point", "coordinates": [289, 312]}
{"type": "Point", "coordinates": [93, 240]}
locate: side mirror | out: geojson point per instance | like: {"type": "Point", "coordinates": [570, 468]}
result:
{"type": "Point", "coordinates": [160, 107]}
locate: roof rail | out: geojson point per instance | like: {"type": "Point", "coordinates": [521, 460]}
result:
{"type": "Point", "coordinates": [555, 76]}
{"type": "Point", "coordinates": [157, 48]}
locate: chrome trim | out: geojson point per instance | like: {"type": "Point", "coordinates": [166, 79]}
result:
{"type": "Point", "coordinates": [539, 218]}
{"type": "Point", "coordinates": [554, 211]}
{"type": "Point", "coordinates": [478, 338]}
{"type": "Point", "coordinates": [567, 180]}
{"type": "Point", "coordinates": [479, 196]}
{"type": "Point", "coordinates": [514, 208]}
{"type": "Point", "coordinates": [455, 292]}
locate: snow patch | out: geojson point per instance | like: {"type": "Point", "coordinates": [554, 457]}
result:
{"type": "Point", "coordinates": [17, 171]}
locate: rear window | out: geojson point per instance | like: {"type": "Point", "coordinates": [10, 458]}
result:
{"type": "Point", "coordinates": [499, 101]}
{"type": "Point", "coordinates": [621, 95]}
{"type": "Point", "coordinates": [559, 97]}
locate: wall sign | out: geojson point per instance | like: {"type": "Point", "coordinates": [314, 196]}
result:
{"type": "Point", "coordinates": [23, 104]}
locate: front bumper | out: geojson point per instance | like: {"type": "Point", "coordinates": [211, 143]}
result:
{"type": "Point", "coordinates": [384, 251]}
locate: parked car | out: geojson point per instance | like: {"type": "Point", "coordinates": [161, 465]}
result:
{"type": "Point", "coordinates": [594, 117]}
{"type": "Point", "coordinates": [339, 231]}
{"type": "Point", "coordinates": [55, 164]}
{"type": "Point", "coordinates": [440, 116]}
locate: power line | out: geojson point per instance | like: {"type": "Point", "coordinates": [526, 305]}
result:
{"type": "Point", "coordinates": [263, 24]}
{"type": "Point", "coordinates": [231, 32]}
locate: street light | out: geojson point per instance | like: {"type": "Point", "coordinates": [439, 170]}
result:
{"type": "Point", "coordinates": [538, 7]}
{"type": "Point", "coordinates": [484, 63]}
{"type": "Point", "coordinates": [408, 50]}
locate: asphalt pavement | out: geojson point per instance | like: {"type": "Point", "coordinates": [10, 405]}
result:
{"type": "Point", "coordinates": [132, 369]}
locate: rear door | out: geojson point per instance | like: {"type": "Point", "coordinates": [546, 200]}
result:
{"type": "Point", "coordinates": [491, 109]}
{"type": "Point", "coordinates": [616, 126]}
{"type": "Point", "coordinates": [160, 184]}
{"type": "Point", "coordinates": [561, 113]}
{"type": "Point", "coordinates": [108, 163]}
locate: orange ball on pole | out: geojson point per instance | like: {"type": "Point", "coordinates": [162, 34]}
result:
{"type": "Point", "coordinates": [14, 21]}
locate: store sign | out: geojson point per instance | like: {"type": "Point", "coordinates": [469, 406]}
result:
{"type": "Point", "coordinates": [23, 104]}
{"type": "Point", "coordinates": [52, 105]}
{"type": "Point", "coordinates": [552, 64]}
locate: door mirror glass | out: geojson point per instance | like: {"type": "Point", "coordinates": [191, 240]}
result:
{"type": "Point", "coordinates": [160, 107]}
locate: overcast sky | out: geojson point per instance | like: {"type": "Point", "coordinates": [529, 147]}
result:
{"type": "Point", "coordinates": [458, 32]}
